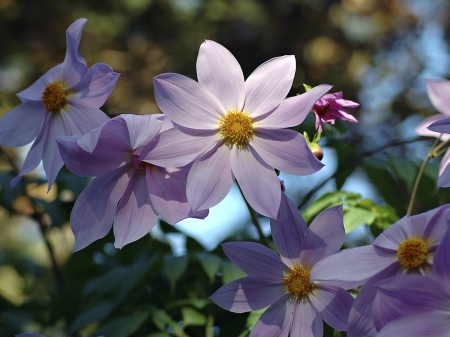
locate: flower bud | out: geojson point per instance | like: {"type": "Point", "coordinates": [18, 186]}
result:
{"type": "Point", "coordinates": [316, 150]}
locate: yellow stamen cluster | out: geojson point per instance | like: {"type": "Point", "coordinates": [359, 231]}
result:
{"type": "Point", "coordinates": [54, 96]}
{"type": "Point", "coordinates": [237, 128]}
{"type": "Point", "coordinates": [412, 253]}
{"type": "Point", "coordinates": [297, 282]}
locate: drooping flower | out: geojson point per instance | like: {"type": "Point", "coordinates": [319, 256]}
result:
{"type": "Point", "coordinates": [127, 191]}
{"type": "Point", "coordinates": [330, 107]}
{"type": "Point", "coordinates": [234, 128]}
{"type": "Point", "coordinates": [412, 305]}
{"type": "Point", "coordinates": [407, 247]}
{"type": "Point", "coordinates": [299, 285]}
{"type": "Point", "coordinates": [64, 101]}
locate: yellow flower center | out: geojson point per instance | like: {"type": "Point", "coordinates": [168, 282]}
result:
{"type": "Point", "coordinates": [297, 282]}
{"type": "Point", "coordinates": [237, 128]}
{"type": "Point", "coordinates": [54, 96]}
{"type": "Point", "coordinates": [412, 253]}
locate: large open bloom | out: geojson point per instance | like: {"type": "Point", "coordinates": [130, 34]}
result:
{"type": "Point", "coordinates": [331, 106]}
{"type": "Point", "coordinates": [407, 247]}
{"type": "Point", "coordinates": [234, 128]}
{"type": "Point", "coordinates": [127, 191]}
{"type": "Point", "coordinates": [64, 101]}
{"type": "Point", "coordinates": [300, 286]}
{"type": "Point", "coordinates": [412, 305]}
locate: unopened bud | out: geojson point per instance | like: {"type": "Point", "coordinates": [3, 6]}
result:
{"type": "Point", "coordinates": [316, 150]}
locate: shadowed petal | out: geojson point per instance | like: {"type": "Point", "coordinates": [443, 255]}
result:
{"type": "Point", "coordinates": [441, 265]}
{"type": "Point", "coordinates": [307, 321]}
{"type": "Point", "coordinates": [257, 261]}
{"type": "Point", "coordinates": [22, 124]}
{"type": "Point", "coordinates": [220, 73]}
{"type": "Point", "coordinates": [439, 94]}
{"type": "Point", "coordinates": [268, 85]}
{"type": "Point", "coordinates": [34, 91]}
{"type": "Point", "coordinates": [96, 85]}
{"type": "Point", "coordinates": [51, 159]}
{"type": "Point", "coordinates": [360, 322]}
{"type": "Point", "coordinates": [142, 128]}
{"type": "Point", "coordinates": [33, 158]}
{"type": "Point", "coordinates": [334, 305]}
{"type": "Point", "coordinates": [95, 208]}
{"type": "Point", "coordinates": [250, 170]}
{"type": "Point", "coordinates": [441, 125]}
{"type": "Point", "coordinates": [186, 103]}
{"type": "Point", "coordinates": [285, 150]}
{"type": "Point", "coordinates": [422, 128]}
{"type": "Point", "coordinates": [432, 324]}
{"type": "Point", "coordinates": [246, 294]}
{"type": "Point", "coordinates": [444, 170]}
{"type": "Point", "coordinates": [74, 65]}
{"type": "Point", "coordinates": [135, 215]}
{"type": "Point", "coordinates": [210, 178]}
{"type": "Point", "coordinates": [288, 231]}
{"type": "Point", "coordinates": [293, 110]}
{"type": "Point", "coordinates": [276, 321]}
{"type": "Point", "coordinates": [351, 267]}
{"type": "Point", "coordinates": [180, 146]}
{"type": "Point", "coordinates": [85, 117]}
{"type": "Point", "coordinates": [326, 236]}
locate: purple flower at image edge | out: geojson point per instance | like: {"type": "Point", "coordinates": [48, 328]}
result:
{"type": "Point", "coordinates": [299, 285]}
{"type": "Point", "coordinates": [413, 305]}
{"type": "Point", "coordinates": [235, 129]}
{"type": "Point", "coordinates": [330, 107]}
{"type": "Point", "coordinates": [407, 247]}
{"type": "Point", "coordinates": [126, 191]}
{"type": "Point", "coordinates": [64, 101]}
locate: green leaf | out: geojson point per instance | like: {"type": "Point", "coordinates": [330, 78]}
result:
{"type": "Point", "coordinates": [230, 272]}
{"type": "Point", "coordinates": [210, 264]}
{"type": "Point", "coordinates": [123, 326]}
{"type": "Point", "coordinates": [192, 317]}
{"type": "Point", "coordinates": [355, 216]}
{"type": "Point", "coordinates": [173, 268]}
{"type": "Point", "coordinates": [198, 303]}
{"type": "Point", "coordinates": [94, 314]}
{"type": "Point", "coordinates": [162, 320]}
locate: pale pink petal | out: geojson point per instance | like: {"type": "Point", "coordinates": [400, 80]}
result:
{"type": "Point", "coordinates": [220, 73]}
{"type": "Point", "coordinates": [444, 170]}
{"type": "Point", "coordinates": [285, 150]}
{"type": "Point", "coordinates": [135, 215]}
{"type": "Point", "coordinates": [268, 85]}
{"type": "Point", "coordinates": [33, 158]}
{"type": "Point", "coordinates": [277, 320]}
{"type": "Point", "coordinates": [250, 170]}
{"type": "Point", "coordinates": [22, 124]}
{"type": "Point", "coordinates": [351, 267]}
{"type": "Point", "coordinates": [293, 110]}
{"type": "Point", "coordinates": [325, 236]}
{"type": "Point", "coordinates": [210, 178]}
{"type": "Point", "coordinates": [186, 103]}
{"type": "Point", "coordinates": [95, 208]}
{"type": "Point", "coordinates": [334, 305]}
{"type": "Point", "coordinates": [95, 86]}
{"type": "Point", "coordinates": [422, 128]}
{"type": "Point", "coordinates": [345, 103]}
{"type": "Point", "coordinates": [142, 128]}
{"type": "Point", "coordinates": [246, 294]}
{"type": "Point", "coordinates": [307, 321]}
{"type": "Point", "coordinates": [180, 146]}
{"type": "Point", "coordinates": [257, 261]}
{"type": "Point", "coordinates": [439, 95]}
{"type": "Point", "coordinates": [288, 231]}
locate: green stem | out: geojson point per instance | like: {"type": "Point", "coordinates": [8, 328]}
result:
{"type": "Point", "coordinates": [255, 220]}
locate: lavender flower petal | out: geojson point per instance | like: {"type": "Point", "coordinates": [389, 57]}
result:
{"type": "Point", "coordinates": [276, 321]}
{"type": "Point", "coordinates": [307, 321]}
{"type": "Point", "coordinates": [433, 324]}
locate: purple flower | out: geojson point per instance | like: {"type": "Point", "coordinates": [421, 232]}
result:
{"type": "Point", "coordinates": [407, 247]}
{"type": "Point", "coordinates": [64, 101]}
{"type": "Point", "coordinates": [127, 191]}
{"type": "Point", "coordinates": [300, 286]}
{"type": "Point", "coordinates": [235, 129]}
{"type": "Point", "coordinates": [413, 305]}
{"type": "Point", "coordinates": [330, 107]}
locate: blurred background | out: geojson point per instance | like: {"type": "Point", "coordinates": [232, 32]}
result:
{"type": "Point", "coordinates": [379, 53]}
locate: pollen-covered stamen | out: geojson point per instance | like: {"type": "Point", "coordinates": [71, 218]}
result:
{"type": "Point", "coordinates": [298, 282]}
{"type": "Point", "coordinates": [237, 128]}
{"type": "Point", "coordinates": [54, 96]}
{"type": "Point", "coordinates": [412, 253]}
